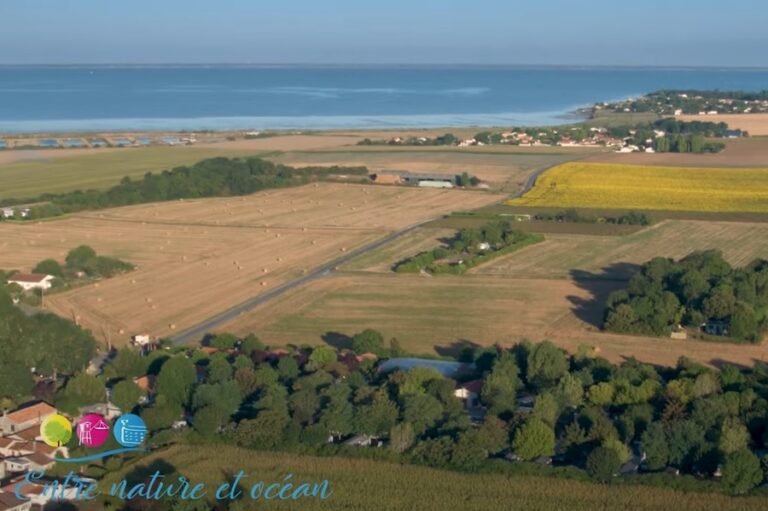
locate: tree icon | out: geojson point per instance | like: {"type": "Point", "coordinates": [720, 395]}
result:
{"type": "Point", "coordinates": [56, 430]}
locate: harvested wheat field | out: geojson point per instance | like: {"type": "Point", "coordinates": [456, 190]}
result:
{"type": "Point", "coordinates": [199, 257]}
{"type": "Point", "coordinates": [422, 312]}
{"type": "Point", "coordinates": [582, 256]}
{"type": "Point", "coordinates": [755, 124]}
{"type": "Point", "coordinates": [441, 315]}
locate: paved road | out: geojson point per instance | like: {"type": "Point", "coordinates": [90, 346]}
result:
{"type": "Point", "coordinates": [198, 331]}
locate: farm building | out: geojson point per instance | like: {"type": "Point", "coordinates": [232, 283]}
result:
{"type": "Point", "coordinates": [447, 368]}
{"type": "Point", "coordinates": [409, 178]}
{"type": "Point", "coordinates": [8, 212]}
{"type": "Point", "coordinates": [141, 339]}
{"type": "Point", "coordinates": [25, 418]}
{"type": "Point", "coordinates": [469, 392]}
{"type": "Point", "coordinates": [719, 328]}
{"type": "Point", "coordinates": [29, 281]}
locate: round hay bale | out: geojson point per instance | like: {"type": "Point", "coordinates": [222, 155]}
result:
{"type": "Point", "coordinates": [343, 249]}
{"type": "Point", "coordinates": [148, 300]}
{"type": "Point", "coordinates": [172, 326]}
{"type": "Point", "coordinates": [99, 299]}
{"type": "Point", "coordinates": [279, 259]}
{"type": "Point", "coordinates": [121, 331]}
{"type": "Point", "coordinates": [314, 242]}
{"type": "Point", "coordinates": [263, 283]}
{"type": "Point", "coordinates": [133, 281]}
{"type": "Point", "coordinates": [153, 306]}
{"type": "Point", "coordinates": [264, 270]}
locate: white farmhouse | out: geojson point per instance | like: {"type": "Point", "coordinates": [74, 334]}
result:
{"type": "Point", "coordinates": [29, 281]}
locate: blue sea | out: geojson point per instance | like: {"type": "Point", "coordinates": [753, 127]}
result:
{"type": "Point", "coordinates": [34, 99]}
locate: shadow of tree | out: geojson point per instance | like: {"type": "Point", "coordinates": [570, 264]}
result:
{"type": "Point", "coordinates": [338, 340]}
{"type": "Point", "coordinates": [599, 285]}
{"type": "Point", "coordinates": [458, 349]}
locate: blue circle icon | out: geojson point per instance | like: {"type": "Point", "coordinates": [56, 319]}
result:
{"type": "Point", "coordinates": [130, 430]}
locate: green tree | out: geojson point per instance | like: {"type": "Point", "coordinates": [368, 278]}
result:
{"type": "Point", "coordinates": [422, 411]}
{"type": "Point", "coordinates": [265, 431]}
{"type": "Point", "coordinates": [250, 344]}
{"type": "Point", "coordinates": [368, 341]}
{"type": "Point", "coordinates": [219, 370]}
{"type": "Point", "coordinates": [734, 436]}
{"type": "Point", "coordinates": [83, 389]}
{"type": "Point", "coordinates": [162, 414]}
{"type": "Point", "coordinates": [601, 394]}
{"type": "Point", "coordinates": [500, 387]}
{"type": "Point", "coordinates": [175, 380]}
{"type": "Point", "coordinates": [224, 341]}
{"type": "Point", "coordinates": [602, 464]}
{"type": "Point", "coordinates": [127, 363]}
{"type": "Point", "coordinates": [78, 258]}
{"type": "Point", "coordinates": [546, 364]}
{"type": "Point", "coordinates": [533, 439]}
{"type": "Point", "coordinates": [125, 395]}
{"type": "Point", "coordinates": [321, 357]}
{"type": "Point", "coordinates": [378, 417]}
{"type": "Point", "coordinates": [741, 471]}
{"type": "Point", "coordinates": [49, 267]}
{"type": "Point", "coordinates": [416, 380]}
{"type": "Point", "coordinates": [653, 443]}
{"type": "Point", "coordinates": [401, 437]}
{"type": "Point", "coordinates": [288, 369]}
{"type": "Point", "coordinates": [208, 420]}
{"type": "Point", "coordinates": [546, 408]}
{"type": "Point", "coordinates": [15, 380]}
{"type": "Point", "coordinates": [570, 391]}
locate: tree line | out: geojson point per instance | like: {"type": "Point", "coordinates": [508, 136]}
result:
{"type": "Point", "coordinates": [589, 415]}
{"type": "Point", "coordinates": [213, 177]}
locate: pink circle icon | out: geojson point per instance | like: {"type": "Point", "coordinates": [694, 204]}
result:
{"type": "Point", "coordinates": [92, 430]}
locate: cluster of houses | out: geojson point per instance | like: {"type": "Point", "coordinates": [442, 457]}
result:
{"type": "Point", "coordinates": [22, 450]}
{"type": "Point", "coordinates": [9, 213]}
{"type": "Point", "coordinates": [546, 137]}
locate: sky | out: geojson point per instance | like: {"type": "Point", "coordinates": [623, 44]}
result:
{"type": "Point", "coordinates": [553, 32]}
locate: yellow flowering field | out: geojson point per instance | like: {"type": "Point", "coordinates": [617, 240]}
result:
{"type": "Point", "coordinates": [608, 185]}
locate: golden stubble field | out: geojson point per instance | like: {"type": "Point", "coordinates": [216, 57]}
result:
{"type": "Point", "coordinates": [551, 290]}
{"type": "Point", "coordinates": [200, 257]}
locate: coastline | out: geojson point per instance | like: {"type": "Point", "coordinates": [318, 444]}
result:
{"type": "Point", "coordinates": [10, 128]}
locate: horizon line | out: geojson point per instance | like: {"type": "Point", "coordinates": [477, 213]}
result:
{"type": "Point", "coordinates": [378, 65]}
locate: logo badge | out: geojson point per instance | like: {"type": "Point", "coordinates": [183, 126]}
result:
{"type": "Point", "coordinates": [92, 430]}
{"type": "Point", "coordinates": [56, 430]}
{"type": "Point", "coordinates": [130, 430]}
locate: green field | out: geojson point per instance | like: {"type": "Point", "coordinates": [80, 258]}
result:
{"type": "Point", "coordinates": [63, 173]}
{"type": "Point", "coordinates": [359, 484]}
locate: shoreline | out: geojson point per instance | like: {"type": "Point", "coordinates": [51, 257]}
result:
{"type": "Point", "coordinates": [89, 127]}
